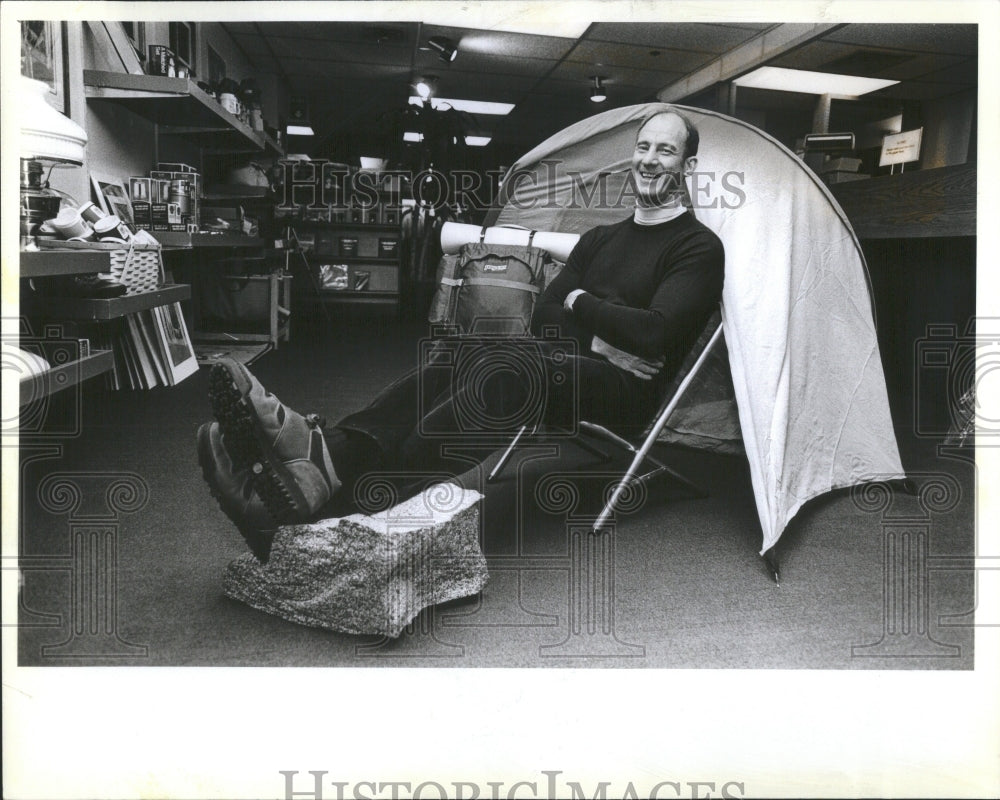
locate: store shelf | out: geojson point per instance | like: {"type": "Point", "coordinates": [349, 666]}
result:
{"type": "Point", "coordinates": [88, 309]}
{"type": "Point", "coordinates": [46, 263]}
{"type": "Point", "coordinates": [64, 376]}
{"type": "Point", "coordinates": [180, 239]}
{"type": "Point", "coordinates": [353, 226]}
{"type": "Point", "coordinates": [237, 193]}
{"type": "Point", "coordinates": [178, 106]}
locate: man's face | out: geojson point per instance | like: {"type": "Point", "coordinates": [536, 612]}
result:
{"type": "Point", "coordinates": [658, 163]}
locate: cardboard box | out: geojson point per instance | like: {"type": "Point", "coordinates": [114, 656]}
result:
{"type": "Point", "coordinates": [139, 189]}
{"type": "Point", "coordinates": [158, 213]}
{"type": "Point", "coordinates": [161, 61]}
{"type": "Point", "coordinates": [170, 166]}
{"type": "Point", "coordinates": [141, 213]}
{"type": "Point", "coordinates": [349, 246]}
{"type": "Point", "coordinates": [388, 247]}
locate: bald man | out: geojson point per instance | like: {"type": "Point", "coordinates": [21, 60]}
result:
{"type": "Point", "coordinates": [633, 297]}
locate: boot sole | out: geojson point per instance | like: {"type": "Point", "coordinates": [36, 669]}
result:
{"type": "Point", "coordinates": [248, 448]}
{"type": "Point", "coordinates": [258, 540]}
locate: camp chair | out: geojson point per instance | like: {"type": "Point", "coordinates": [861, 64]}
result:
{"type": "Point", "coordinates": [642, 447]}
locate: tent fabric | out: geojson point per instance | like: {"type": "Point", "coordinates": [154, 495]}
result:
{"type": "Point", "coordinates": [797, 313]}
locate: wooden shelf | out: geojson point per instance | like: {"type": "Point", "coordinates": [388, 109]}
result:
{"type": "Point", "coordinates": [46, 263]}
{"type": "Point", "coordinates": [178, 106]}
{"type": "Point", "coordinates": [237, 193]}
{"type": "Point", "coordinates": [91, 309]}
{"type": "Point", "coordinates": [65, 375]}
{"type": "Point", "coordinates": [919, 204]}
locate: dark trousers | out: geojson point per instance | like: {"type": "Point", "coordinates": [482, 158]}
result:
{"type": "Point", "coordinates": [468, 397]}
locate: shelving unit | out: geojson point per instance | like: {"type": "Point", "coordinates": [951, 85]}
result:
{"type": "Point", "coordinates": [64, 376]}
{"type": "Point", "coordinates": [48, 263]}
{"type": "Point", "coordinates": [95, 309]}
{"type": "Point", "coordinates": [383, 272]}
{"type": "Point", "coordinates": [55, 262]}
{"type": "Point", "coordinates": [178, 107]}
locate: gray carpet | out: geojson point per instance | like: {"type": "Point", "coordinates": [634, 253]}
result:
{"type": "Point", "coordinates": [678, 583]}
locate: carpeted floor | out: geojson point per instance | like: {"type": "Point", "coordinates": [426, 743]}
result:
{"type": "Point", "coordinates": [123, 550]}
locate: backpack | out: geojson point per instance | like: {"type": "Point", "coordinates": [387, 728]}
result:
{"type": "Point", "coordinates": [489, 288]}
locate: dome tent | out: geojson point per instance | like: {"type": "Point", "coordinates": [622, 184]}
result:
{"type": "Point", "coordinates": [801, 348]}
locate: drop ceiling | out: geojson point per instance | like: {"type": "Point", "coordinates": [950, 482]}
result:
{"type": "Point", "coordinates": [352, 73]}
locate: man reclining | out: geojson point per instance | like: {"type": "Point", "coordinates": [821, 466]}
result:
{"type": "Point", "coordinates": [633, 296]}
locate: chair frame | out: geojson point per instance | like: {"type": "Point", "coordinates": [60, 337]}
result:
{"type": "Point", "coordinates": [642, 452]}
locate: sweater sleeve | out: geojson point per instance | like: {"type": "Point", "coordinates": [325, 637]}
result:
{"type": "Point", "coordinates": [690, 290]}
{"type": "Point", "coordinates": [549, 311]}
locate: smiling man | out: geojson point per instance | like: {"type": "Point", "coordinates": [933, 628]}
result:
{"type": "Point", "coordinates": [638, 292]}
{"type": "Point", "coordinates": [633, 295]}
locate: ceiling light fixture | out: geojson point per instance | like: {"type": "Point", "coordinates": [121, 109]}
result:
{"type": "Point", "coordinates": [424, 88]}
{"type": "Point", "coordinates": [471, 106]}
{"type": "Point", "coordinates": [444, 47]}
{"type": "Point", "coordinates": [471, 141]}
{"type": "Point", "coordinates": [597, 93]}
{"type": "Point", "coordinates": [807, 82]}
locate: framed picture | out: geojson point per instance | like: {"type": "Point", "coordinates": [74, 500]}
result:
{"type": "Point", "coordinates": [110, 194]}
{"type": "Point", "coordinates": [175, 342]}
{"type": "Point", "coordinates": [42, 58]}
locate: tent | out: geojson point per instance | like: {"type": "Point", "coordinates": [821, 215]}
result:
{"type": "Point", "coordinates": [803, 357]}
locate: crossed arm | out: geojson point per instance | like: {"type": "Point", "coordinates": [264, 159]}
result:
{"type": "Point", "coordinates": [635, 339]}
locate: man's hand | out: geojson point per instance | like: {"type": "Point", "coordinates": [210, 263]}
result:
{"type": "Point", "coordinates": [571, 298]}
{"type": "Point", "coordinates": [640, 367]}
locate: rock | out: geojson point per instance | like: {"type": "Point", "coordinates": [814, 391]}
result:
{"type": "Point", "coordinates": [369, 574]}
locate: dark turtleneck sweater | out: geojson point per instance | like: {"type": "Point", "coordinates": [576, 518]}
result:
{"type": "Point", "coordinates": [649, 289]}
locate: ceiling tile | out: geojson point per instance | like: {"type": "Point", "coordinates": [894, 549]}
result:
{"type": "Point", "coordinates": [638, 57]}
{"type": "Point", "coordinates": [501, 45]}
{"type": "Point", "coordinates": [678, 35]}
{"type": "Point", "coordinates": [487, 64]}
{"type": "Point", "coordinates": [935, 38]}
{"type": "Point", "coordinates": [334, 51]}
{"type": "Point", "coordinates": [580, 72]}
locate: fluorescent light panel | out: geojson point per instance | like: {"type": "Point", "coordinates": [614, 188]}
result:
{"type": "Point", "coordinates": [471, 106]}
{"type": "Point", "coordinates": [801, 80]}
{"type": "Point", "coordinates": [299, 130]}
{"type": "Point", "coordinates": [471, 141]}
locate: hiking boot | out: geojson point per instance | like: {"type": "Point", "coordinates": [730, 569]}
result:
{"type": "Point", "coordinates": [234, 492]}
{"type": "Point", "coordinates": [285, 452]}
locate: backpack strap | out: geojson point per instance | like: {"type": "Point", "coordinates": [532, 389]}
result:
{"type": "Point", "coordinates": [501, 283]}
{"type": "Point", "coordinates": [531, 237]}
{"type": "Point", "coordinates": [482, 234]}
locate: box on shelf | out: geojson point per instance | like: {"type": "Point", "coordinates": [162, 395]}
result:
{"type": "Point", "coordinates": [388, 247]}
{"type": "Point", "coordinates": [349, 246]}
{"type": "Point", "coordinates": [842, 164]}
{"type": "Point", "coordinates": [139, 189]}
{"type": "Point", "coordinates": [170, 166]}
{"type": "Point", "coordinates": [161, 61]}
{"type": "Point", "coordinates": [141, 213]}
